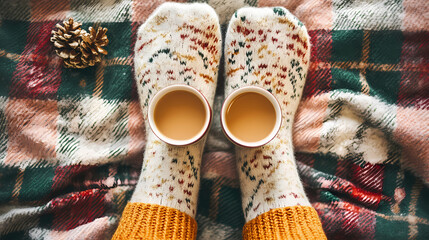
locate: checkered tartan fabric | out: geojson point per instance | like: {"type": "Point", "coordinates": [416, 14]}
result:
{"type": "Point", "coordinates": [71, 140]}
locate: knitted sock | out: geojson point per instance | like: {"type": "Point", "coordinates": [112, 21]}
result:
{"type": "Point", "coordinates": [178, 44]}
{"type": "Point", "coordinates": [269, 48]}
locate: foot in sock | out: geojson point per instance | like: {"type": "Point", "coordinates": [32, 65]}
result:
{"type": "Point", "coordinates": [269, 48]}
{"type": "Point", "coordinates": [178, 44]}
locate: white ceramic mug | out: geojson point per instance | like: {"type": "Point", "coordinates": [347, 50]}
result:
{"type": "Point", "coordinates": [159, 95]}
{"type": "Point", "coordinates": [268, 96]}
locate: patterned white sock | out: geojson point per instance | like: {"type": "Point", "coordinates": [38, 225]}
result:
{"type": "Point", "coordinates": [178, 44]}
{"type": "Point", "coordinates": [269, 48]}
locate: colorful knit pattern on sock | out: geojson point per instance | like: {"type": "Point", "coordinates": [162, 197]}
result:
{"type": "Point", "coordinates": [269, 48]}
{"type": "Point", "coordinates": [178, 44]}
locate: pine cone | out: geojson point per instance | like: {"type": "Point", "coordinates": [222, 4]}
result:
{"type": "Point", "coordinates": [91, 46]}
{"type": "Point", "coordinates": [67, 40]}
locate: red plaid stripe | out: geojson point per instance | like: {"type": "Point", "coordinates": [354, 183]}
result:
{"type": "Point", "coordinates": [38, 73]}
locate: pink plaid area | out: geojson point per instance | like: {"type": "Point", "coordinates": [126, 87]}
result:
{"type": "Point", "coordinates": [413, 100]}
{"type": "Point", "coordinates": [31, 131]}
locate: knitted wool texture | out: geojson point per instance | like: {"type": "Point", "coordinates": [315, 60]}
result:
{"type": "Point", "coordinates": [269, 48]}
{"type": "Point", "coordinates": [151, 221]}
{"type": "Point", "coordinates": [297, 222]}
{"type": "Point", "coordinates": [178, 44]}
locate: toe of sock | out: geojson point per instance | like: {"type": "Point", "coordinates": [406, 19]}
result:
{"type": "Point", "coordinates": [171, 21]}
{"type": "Point", "coordinates": [259, 16]}
{"type": "Point", "coordinates": [172, 17]}
{"type": "Point", "coordinates": [253, 13]}
{"type": "Point", "coordinates": [177, 13]}
{"type": "Point", "coordinates": [270, 22]}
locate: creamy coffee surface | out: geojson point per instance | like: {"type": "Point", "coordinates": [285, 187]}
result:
{"type": "Point", "coordinates": [250, 117]}
{"type": "Point", "coordinates": [179, 115]}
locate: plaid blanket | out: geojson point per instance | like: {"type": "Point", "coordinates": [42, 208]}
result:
{"type": "Point", "coordinates": [71, 140]}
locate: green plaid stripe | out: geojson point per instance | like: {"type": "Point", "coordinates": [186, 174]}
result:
{"type": "Point", "coordinates": [76, 84]}
{"type": "Point", "coordinates": [32, 190]}
{"type": "Point", "coordinates": [220, 202]}
{"type": "Point", "coordinates": [408, 222]}
{"type": "Point", "coordinates": [361, 58]}
{"type": "Point", "coordinates": [13, 38]}
{"type": "Point", "coordinates": [7, 183]}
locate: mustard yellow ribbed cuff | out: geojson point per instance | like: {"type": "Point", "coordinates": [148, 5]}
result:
{"type": "Point", "coordinates": [151, 221]}
{"type": "Point", "coordinates": [297, 222]}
